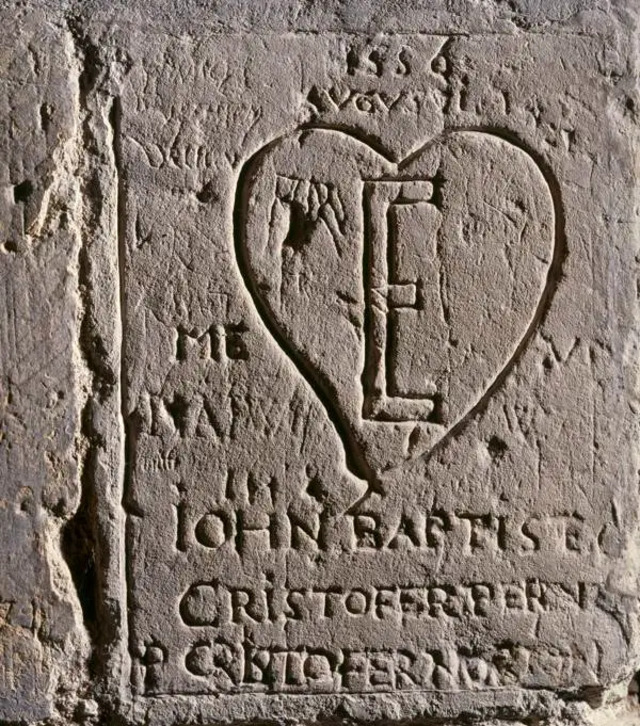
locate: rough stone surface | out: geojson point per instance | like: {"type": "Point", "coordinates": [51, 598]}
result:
{"type": "Point", "coordinates": [41, 638]}
{"type": "Point", "coordinates": [320, 362]}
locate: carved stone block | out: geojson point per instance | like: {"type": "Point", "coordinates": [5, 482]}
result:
{"type": "Point", "coordinates": [353, 362]}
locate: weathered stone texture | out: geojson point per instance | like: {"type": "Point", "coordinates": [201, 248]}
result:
{"type": "Point", "coordinates": [320, 362]}
{"type": "Point", "coordinates": [41, 381]}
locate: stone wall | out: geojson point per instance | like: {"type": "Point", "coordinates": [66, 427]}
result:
{"type": "Point", "coordinates": [320, 359]}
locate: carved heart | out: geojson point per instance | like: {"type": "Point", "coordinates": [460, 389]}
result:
{"type": "Point", "coordinates": [403, 292]}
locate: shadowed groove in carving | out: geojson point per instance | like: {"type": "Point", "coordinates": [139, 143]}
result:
{"type": "Point", "coordinates": [553, 277]}
{"type": "Point", "coordinates": [368, 369]}
{"type": "Point", "coordinates": [128, 430]}
{"type": "Point", "coordinates": [80, 536]}
{"type": "Point", "coordinates": [376, 376]}
{"type": "Point", "coordinates": [358, 135]}
{"type": "Point", "coordinates": [356, 461]}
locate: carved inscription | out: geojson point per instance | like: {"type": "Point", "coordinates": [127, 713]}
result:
{"type": "Point", "coordinates": [422, 242]}
{"type": "Point", "coordinates": [209, 604]}
{"type": "Point", "coordinates": [467, 533]}
{"type": "Point", "coordinates": [319, 670]}
{"type": "Point", "coordinates": [355, 440]}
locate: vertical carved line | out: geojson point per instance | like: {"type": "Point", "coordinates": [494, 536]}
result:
{"type": "Point", "coordinates": [124, 462]}
{"type": "Point", "coordinates": [121, 233]}
{"type": "Point", "coordinates": [368, 371]}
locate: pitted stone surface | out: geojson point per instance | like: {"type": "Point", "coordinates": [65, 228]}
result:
{"type": "Point", "coordinates": [40, 636]}
{"type": "Point", "coordinates": [352, 321]}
